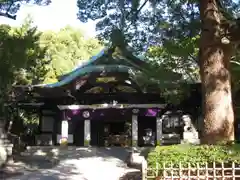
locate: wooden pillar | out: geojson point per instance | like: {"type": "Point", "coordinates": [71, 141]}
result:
{"type": "Point", "coordinates": [159, 133]}
{"type": "Point", "coordinates": [64, 129]}
{"type": "Point", "coordinates": [87, 128]}
{"type": "Point", "coordinates": [135, 127]}
{"type": "Point", "coordinates": [87, 132]}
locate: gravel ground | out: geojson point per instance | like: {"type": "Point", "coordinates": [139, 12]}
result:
{"type": "Point", "coordinates": [93, 164]}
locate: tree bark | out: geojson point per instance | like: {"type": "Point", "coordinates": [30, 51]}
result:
{"type": "Point", "coordinates": [214, 61]}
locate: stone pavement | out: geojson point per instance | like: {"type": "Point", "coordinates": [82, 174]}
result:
{"type": "Point", "coordinates": [78, 164]}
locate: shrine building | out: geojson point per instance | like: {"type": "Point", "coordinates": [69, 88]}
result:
{"type": "Point", "coordinates": [100, 103]}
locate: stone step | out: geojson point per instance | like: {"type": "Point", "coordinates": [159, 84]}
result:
{"type": "Point", "coordinates": [6, 141]}
{"type": "Point", "coordinates": [8, 148]}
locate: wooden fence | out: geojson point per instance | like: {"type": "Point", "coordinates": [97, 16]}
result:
{"type": "Point", "coordinates": [209, 171]}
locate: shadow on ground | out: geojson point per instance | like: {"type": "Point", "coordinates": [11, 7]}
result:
{"type": "Point", "coordinates": [47, 157]}
{"type": "Point", "coordinates": [6, 174]}
{"type": "Point", "coordinates": [52, 163]}
{"type": "Point", "coordinates": [135, 175]}
{"type": "Point", "coordinates": [62, 172]}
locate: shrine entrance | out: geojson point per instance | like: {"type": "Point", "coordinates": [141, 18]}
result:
{"type": "Point", "coordinates": [97, 132]}
{"type": "Point", "coordinates": [115, 133]}
{"type": "Point", "coordinates": [110, 132]}
{"type": "Point", "coordinates": [78, 139]}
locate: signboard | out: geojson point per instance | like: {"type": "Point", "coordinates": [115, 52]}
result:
{"type": "Point", "coordinates": [106, 79]}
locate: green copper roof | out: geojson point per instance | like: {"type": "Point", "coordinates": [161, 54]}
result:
{"type": "Point", "coordinates": [109, 59]}
{"type": "Point", "coordinates": [88, 69]}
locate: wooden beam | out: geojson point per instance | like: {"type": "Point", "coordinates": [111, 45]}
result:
{"type": "Point", "coordinates": [108, 106]}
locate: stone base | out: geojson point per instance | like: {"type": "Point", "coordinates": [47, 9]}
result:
{"type": "Point", "coordinates": [159, 142]}
{"type": "Point", "coordinates": [86, 143]}
{"type": "Point", "coordinates": [190, 141]}
{"type": "Point", "coordinates": [134, 160]}
{"type": "Point", "coordinates": [134, 143]}
{"type": "Point", "coordinates": [9, 148]}
{"type": "Point", "coordinates": [3, 156]}
{"type": "Point", "coordinates": [190, 137]}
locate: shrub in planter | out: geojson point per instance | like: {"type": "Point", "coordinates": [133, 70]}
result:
{"type": "Point", "coordinates": [190, 155]}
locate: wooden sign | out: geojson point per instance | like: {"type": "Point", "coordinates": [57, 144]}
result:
{"type": "Point", "coordinates": [106, 79]}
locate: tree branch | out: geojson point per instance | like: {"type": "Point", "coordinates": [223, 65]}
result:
{"type": "Point", "coordinates": [122, 19]}
{"type": "Point", "coordinates": [136, 13]}
{"type": "Point", "coordinates": [235, 62]}
{"type": "Point", "coordinates": [233, 32]}
{"type": "Point", "coordinates": [229, 24]}
{"type": "Point", "coordinates": [7, 15]}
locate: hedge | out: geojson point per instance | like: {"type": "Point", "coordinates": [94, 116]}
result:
{"type": "Point", "coordinates": [193, 155]}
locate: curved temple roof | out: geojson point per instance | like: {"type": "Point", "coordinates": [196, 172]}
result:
{"type": "Point", "coordinates": [113, 61]}
{"type": "Point", "coordinates": [89, 69]}
{"type": "Point", "coordinates": [94, 65]}
{"type": "Point", "coordinates": [84, 64]}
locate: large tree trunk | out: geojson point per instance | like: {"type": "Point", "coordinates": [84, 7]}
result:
{"type": "Point", "coordinates": [214, 59]}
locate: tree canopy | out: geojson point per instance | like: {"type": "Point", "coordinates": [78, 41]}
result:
{"type": "Point", "coordinates": [28, 56]}
{"type": "Point", "coordinates": [9, 8]}
{"type": "Point", "coordinates": [21, 57]}
{"type": "Point", "coordinates": [65, 49]}
{"type": "Point", "coordinates": [168, 31]}
{"type": "Point", "coordinates": [197, 39]}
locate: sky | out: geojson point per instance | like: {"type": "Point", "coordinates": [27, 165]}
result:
{"type": "Point", "coordinates": [55, 16]}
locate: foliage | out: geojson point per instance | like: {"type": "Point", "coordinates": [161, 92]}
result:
{"type": "Point", "coordinates": [178, 57]}
{"type": "Point", "coordinates": [21, 57]}
{"type": "Point", "coordinates": [193, 155]}
{"type": "Point", "coordinates": [9, 8]}
{"type": "Point", "coordinates": [65, 50]}
{"type": "Point", "coordinates": [235, 70]}
{"type": "Point", "coordinates": [165, 32]}
{"type": "Point", "coordinates": [168, 30]}
{"type": "Point", "coordinates": [180, 34]}
{"type": "Point", "coordinates": [28, 56]}
{"type": "Point", "coordinates": [121, 14]}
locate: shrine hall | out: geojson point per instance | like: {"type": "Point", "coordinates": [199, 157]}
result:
{"type": "Point", "coordinates": [103, 102]}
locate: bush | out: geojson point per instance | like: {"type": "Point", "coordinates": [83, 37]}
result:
{"type": "Point", "coordinates": [193, 155]}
